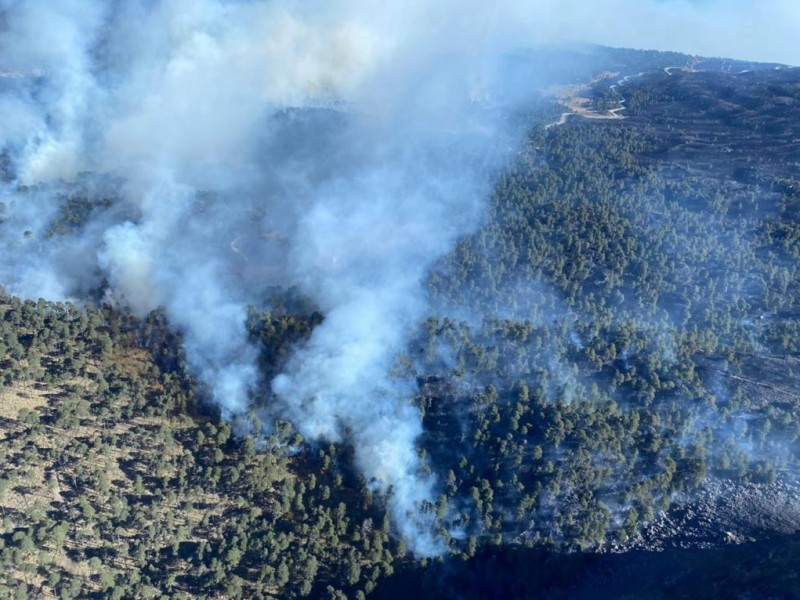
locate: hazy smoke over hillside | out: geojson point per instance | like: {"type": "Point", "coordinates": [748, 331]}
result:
{"type": "Point", "coordinates": [340, 147]}
{"type": "Point", "coordinates": [249, 145]}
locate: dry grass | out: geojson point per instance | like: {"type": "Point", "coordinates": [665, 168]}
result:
{"type": "Point", "coordinates": [34, 490]}
{"type": "Point", "coordinates": [20, 396]}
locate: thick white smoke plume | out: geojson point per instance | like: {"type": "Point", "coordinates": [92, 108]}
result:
{"type": "Point", "coordinates": [327, 146]}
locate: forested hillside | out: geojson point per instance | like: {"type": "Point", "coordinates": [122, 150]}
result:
{"type": "Point", "coordinates": [641, 331]}
{"type": "Point", "coordinates": [622, 329]}
{"type": "Point", "coordinates": [115, 484]}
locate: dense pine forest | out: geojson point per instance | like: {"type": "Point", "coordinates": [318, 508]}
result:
{"type": "Point", "coordinates": [621, 331]}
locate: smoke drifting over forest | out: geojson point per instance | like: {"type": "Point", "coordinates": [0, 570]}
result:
{"type": "Point", "coordinates": [244, 146]}
{"type": "Point", "coordinates": [231, 147]}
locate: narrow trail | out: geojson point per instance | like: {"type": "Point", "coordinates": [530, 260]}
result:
{"type": "Point", "coordinates": [763, 384]}
{"type": "Point", "coordinates": [610, 115]}
{"type": "Point", "coordinates": [235, 248]}
{"type": "Point", "coordinates": [35, 74]}
{"type": "Point", "coordinates": [561, 120]}
{"type": "Point", "coordinates": [586, 113]}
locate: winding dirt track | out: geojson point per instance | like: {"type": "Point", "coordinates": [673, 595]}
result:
{"type": "Point", "coordinates": [578, 104]}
